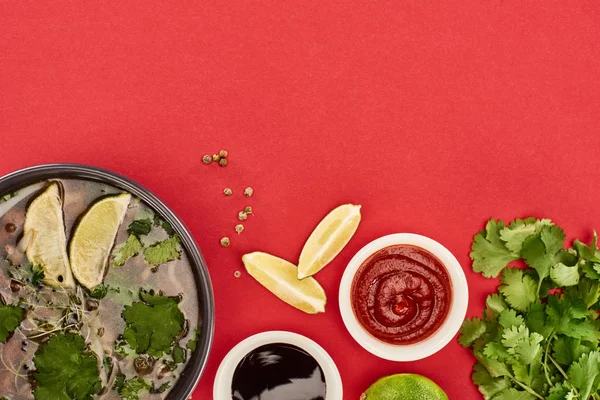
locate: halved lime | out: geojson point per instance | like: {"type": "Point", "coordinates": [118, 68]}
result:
{"type": "Point", "coordinates": [404, 387]}
{"type": "Point", "coordinates": [44, 223]}
{"type": "Point", "coordinates": [280, 278]}
{"type": "Point", "coordinates": [328, 239]}
{"type": "Point", "coordinates": [94, 237]}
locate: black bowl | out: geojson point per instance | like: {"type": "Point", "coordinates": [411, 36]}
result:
{"type": "Point", "coordinates": [191, 375]}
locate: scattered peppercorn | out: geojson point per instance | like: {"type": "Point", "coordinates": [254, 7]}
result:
{"type": "Point", "coordinates": [223, 162]}
{"type": "Point", "coordinates": [239, 228]}
{"type": "Point", "coordinates": [248, 192]}
{"type": "Point", "coordinates": [225, 242]}
{"type": "Point", "coordinates": [10, 227]}
{"type": "Point", "coordinates": [248, 210]}
{"type": "Point", "coordinates": [216, 158]}
{"type": "Point", "coordinates": [237, 274]}
{"type": "Point", "coordinates": [223, 153]}
{"type": "Point", "coordinates": [242, 216]}
{"type": "Point", "coordinates": [227, 192]}
{"type": "Point", "coordinates": [207, 159]}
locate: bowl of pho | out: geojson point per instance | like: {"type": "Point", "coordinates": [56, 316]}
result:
{"type": "Point", "coordinates": [103, 292]}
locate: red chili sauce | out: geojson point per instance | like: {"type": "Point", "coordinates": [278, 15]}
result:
{"type": "Point", "coordinates": [401, 294]}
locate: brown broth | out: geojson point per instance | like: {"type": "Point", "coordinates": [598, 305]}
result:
{"type": "Point", "coordinates": [173, 278]}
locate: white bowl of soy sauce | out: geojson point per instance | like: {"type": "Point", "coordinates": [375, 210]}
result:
{"type": "Point", "coordinates": [277, 365]}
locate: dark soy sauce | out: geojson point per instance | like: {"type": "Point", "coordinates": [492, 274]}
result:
{"type": "Point", "coordinates": [278, 371]}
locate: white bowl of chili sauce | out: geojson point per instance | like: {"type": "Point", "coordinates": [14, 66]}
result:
{"type": "Point", "coordinates": [403, 297]}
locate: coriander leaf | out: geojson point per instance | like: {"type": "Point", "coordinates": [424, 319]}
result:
{"type": "Point", "coordinates": [10, 318]}
{"type": "Point", "coordinates": [487, 385]}
{"type": "Point", "coordinates": [563, 275]}
{"type": "Point", "coordinates": [471, 330]}
{"type": "Point", "coordinates": [514, 394]}
{"type": "Point", "coordinates": [132, 387]}
{"type": "Point", "coordinates": [536, 319]}
{"type": "Point", "coordinates": [65, 369]}
{"type": "Point", "coordinates": [496, 368]}
{"type": "Point", "coordinates": [508, 318]}
{"type": "Point", "coordinates": [541, 251]}
{"type": "Point", "coordinates": [192, 343]}
{"type": "Point", "coordinates": [152, 324]}
{"type": "Point", "coordinates": [520, 229]}
{"type": "Point", "coordinates": [586, 252]}
{"type": "Point", "coordinates": [107, 364]}
{"type": "Point", "coordinates": [496, 302]}
{"type": "Point", "coordinates": [178, 354]}
{"type": "Point", "coordinates": [100, 291]}
{"type": "Point", "coordinates": [127, 250]}
{"type": "Point", "coordinates": [167, 227]}
{"type": "Point", "coordinates": [566, 350]}
{"type": "Point", "coordinates": [495, 351]}
{"type": "Point", "coordinates": [587, 291]}
{"type": "Point", "coordinates": [119, 382]}
{"type": "Point", "coordinates": [37, 275]}
{"type": "Point", "coordinates": [489, 254]}
{"type": "Point", "coordinates": [590, 270]}
{"type": "Point", "coordinates": [529, 348]}
{"type": "Point", "coordinates": [513, 335]}
{"type": "Point", "coordinates": [585, 374]}
{"type": "Point", "coordinates": [162, 388]}
{"type": "Point", "coordinates": [558, 392]}
{"type": "Point", "coordinates": [140, 227]}
{"type": "Point", "coordinates": [553, 237]}
{"type": "Point", "coordinates": [518, 290]}
{"type": "Point", "coordinates": [162, 252]}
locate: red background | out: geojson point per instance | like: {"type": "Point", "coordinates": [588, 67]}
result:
{"type": "Point", "coordinates": [434, 117]}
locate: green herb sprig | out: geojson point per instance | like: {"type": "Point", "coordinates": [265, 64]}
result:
{"type": "Point", "coordinates": [538, 337]}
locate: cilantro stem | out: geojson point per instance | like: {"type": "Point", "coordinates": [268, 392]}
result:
{"type": "Point", "coordinates": [545, 363]}
{"type": "Point", "coordinates": [527, 388]}
{"type": "Point", "coordinates": [563, 373]}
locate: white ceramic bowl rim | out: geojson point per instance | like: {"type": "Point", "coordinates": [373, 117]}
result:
{"type": "Point", "coordinates": [429, 346]}
{"type": "Point", "coordinates": [224, 377]}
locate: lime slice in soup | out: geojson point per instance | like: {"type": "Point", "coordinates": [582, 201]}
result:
{"type": "Point", "coordinates": [94, 238]}
{"type": "Point", "coordinates": [45, 228]}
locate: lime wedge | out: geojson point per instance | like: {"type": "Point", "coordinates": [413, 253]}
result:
{"type": "Point", "coordinates": [94, 237]}
{"type": "Point", "coordinates": [280, 278]}
{"type": "Point", "coordinates": [48, 244]}
{"type": "Point", "coordinates": [328, 239]}
{"type": "Point", "coordinates": [404, 386]}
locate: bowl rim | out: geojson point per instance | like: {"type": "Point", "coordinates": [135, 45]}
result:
{"type": "Point", "coordinates": [224, 377]}
{"type": "Point", "coordinates": [444, 334]}
{"type": "Point", "coordinates": [23, 177]}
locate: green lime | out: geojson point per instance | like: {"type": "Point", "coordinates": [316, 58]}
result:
{"type": "Point", "coordinates": [47, 246]}
{"type": "Point", "coordinates": [94, 237]}
{"type": "Point", "coordinates": [404, 387]}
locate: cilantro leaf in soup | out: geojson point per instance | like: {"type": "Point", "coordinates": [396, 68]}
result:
{"type": "Point", "coordinates": [489, 252]}
{"type": "Point", "coordinates": [123, 252]}
{"type": "Point", "coordinates": [140, 227]}
{"type": "Point", "coordinates": [131, 388]}
{"type": "Point", "coordinates": [162, 252]}
{"type": "Point", "coordinates": [192, 343]}
{"type": "Point", "coordinates": [65, 369]}
{"type": "Point", "coordinates": [152, 325]}
{"type": "Point", "coordinates": [178, 355]}
{"type": "Point", "coordinates": [10, 319]}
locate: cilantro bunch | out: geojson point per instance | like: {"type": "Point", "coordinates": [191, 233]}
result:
{"type": "Point", "coordinates": [538, 337]}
